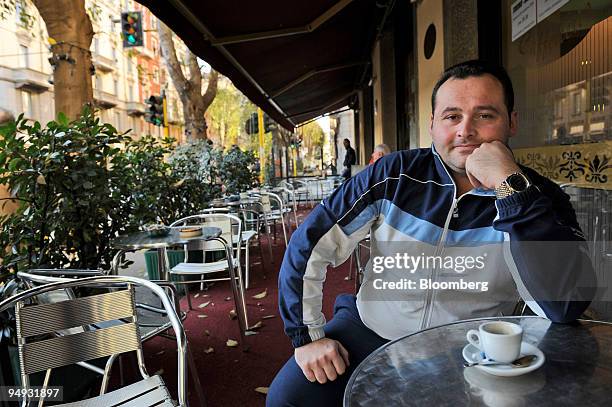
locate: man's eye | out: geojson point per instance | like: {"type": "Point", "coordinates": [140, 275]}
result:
{"type": "Point", "coordinates": [452, 117]}
{"type": "Point", "coordinates": [486, 116]}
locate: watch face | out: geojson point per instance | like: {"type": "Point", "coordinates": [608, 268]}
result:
{"type": "Point", "coordinates": [517, 182]}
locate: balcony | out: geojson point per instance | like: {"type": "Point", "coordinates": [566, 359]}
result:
{"type": "Point", "coordinates": [31, 80]}
{"type": "Point", "coordinates": [135, 108]}
{"type": "Point", "coordinates": [105, 100]}
{"type": "Point", "coordinates": [104, 64]}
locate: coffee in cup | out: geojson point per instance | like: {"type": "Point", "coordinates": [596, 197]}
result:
{"type": "Point", "coordinates": [499, 340]}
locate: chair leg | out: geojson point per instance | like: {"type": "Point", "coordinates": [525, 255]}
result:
{"type": "Point", "coordinates": [193, 372]}
{"type": "Point", "coordinates": [284, 228]}
{"type": "Point", "coordinates": [187, 293]}
{"type": "Point", "coordinates": [267, 232]}
{"type": "Point", "coordinates": [246, 266]}
{"type": "Point", "coordinates": [349, 276]}
{"type": "Point", "coordinates": [297, 222]}
{"type": "Point", "coordinates": [261, 257]}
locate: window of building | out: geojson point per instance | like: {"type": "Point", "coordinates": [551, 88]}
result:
{"type": "Point", "coordinates": [156, 75]}
{"type": "Point", "coordinates": [114, 53]}
{"type": "Point", "coordinates": [18, 11]}
{"type": "Point", "coordinates": [116, 86]}
{"type": "Point", "coordinates": [26, 104]}
{"type": "Point", "coordinates": [576, 103]}
{"type": "Point", "coordinates": [98, 82]}
{"type": "Point", "coordinates": [559, 108]}
{"type": "Point", "coordinates": [118, 120]}
{"type": "Point", "coordinates": [25, 57]}
{"type": "Point", "coordinates": [96, 44]}
{"type": "Point", "coordinates": [130, 92]}
{"type": "Point", "coordinates": [130, 66]}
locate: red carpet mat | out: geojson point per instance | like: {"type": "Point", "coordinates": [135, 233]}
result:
{"type": "Point", "coordinates": [230, 376]}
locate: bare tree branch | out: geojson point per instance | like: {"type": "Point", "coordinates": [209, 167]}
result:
{"type": "Point", "coordinates": [169, 55]}
{"type": "Point", "coordinates": [211, 89]}
{"type": "Point", "coordinates": [195, 76]}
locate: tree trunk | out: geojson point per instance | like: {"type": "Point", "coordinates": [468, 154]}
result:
{"type": "Point", "coordinates": [190, 89]}
{"type": "Point", "coordinates": [70, 28]}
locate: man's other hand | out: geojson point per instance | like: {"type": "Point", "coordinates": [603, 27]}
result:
{"type": "Point", "coordinates": [322, 360]}
{"type": "Point", "coordinates": [490, 164]}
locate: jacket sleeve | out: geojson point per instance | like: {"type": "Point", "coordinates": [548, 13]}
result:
{"type": "Point", "coordinates": [327, 237]}
{"type": "Point", "coordinates": [546, 251]}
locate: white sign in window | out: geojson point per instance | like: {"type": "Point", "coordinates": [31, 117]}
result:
{"type": "Point", "coordinates": [547, 7]}
{"type": "Point", "coordinates": [523, 17]}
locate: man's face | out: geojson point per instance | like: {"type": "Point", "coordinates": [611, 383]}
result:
{"type": "Point", "coordinates": [469, 112]}
{"type": "Point", "coordinates": [346, 144]}
{"type": "Point", "coordinates": [377, 155]}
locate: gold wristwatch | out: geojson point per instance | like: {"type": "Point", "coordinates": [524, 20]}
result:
{"type": "Point", "coordinates": [517, 182]}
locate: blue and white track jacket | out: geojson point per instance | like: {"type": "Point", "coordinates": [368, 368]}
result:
{"type": "Point", "coordinates": [410, 196]}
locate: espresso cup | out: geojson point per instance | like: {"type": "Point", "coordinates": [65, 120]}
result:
{"type": "Point", "coordinates": [499, 340]}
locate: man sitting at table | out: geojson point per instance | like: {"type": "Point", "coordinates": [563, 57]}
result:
{"type": "Point", "coordinates": [466, 188]}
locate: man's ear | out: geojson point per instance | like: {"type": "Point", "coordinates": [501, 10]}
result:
{"type": "Point", "coordinates": [513, 123]}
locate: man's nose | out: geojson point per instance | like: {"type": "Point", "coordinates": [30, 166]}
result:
{"type": "Point", "coordinates": [466, 128]}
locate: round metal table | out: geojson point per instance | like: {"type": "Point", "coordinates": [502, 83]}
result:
{"type": "Point", "coordinates": [426, 368]}
{"type": "Point", "coordinates": [142, 240]}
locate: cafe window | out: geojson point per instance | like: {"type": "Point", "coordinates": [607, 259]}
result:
{"type": "Point", "coordinates": [562, 73]}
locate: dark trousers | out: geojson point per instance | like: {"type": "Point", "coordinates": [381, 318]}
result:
{"type": "Point", "coordinates": [291, 388]}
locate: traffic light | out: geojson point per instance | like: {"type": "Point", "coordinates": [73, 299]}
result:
{"type": "Point", "coordinates": [251, 125]}
{"type": "Point", "coordinates": [155, 110]}
{"type": "Point", "coordinates": [269, 124]}
{"type": "Point", "coordinates": [131, 29]}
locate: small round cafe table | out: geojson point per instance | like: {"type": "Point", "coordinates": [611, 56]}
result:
{"type": "Point", "coordinates": [142, 240]}
{"type": "Point", "coordinates": [426, 369]}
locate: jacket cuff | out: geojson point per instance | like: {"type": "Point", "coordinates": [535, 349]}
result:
{"type": "Point", "coordinates": [519, 199]}
{"type": "Point", "coordinates": [313, 335]}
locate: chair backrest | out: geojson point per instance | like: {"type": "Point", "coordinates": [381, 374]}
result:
{"type": "Point", "coordinates": [230, 225]}
{"type": "Point", "coordinates": [36, 355]}
{"type": "Point", "coordinates": [287, 185]}
{"type": "Point", "coordinates": [265, 202]}
{"type": "Point", "coordinates": [40, 350]}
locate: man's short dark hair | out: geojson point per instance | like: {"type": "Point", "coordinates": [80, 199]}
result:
{"type": "Point", "coordinates": [477, 68]}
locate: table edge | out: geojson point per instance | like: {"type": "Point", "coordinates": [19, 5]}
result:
{"type": "Point", "coordinates": [346, 397]}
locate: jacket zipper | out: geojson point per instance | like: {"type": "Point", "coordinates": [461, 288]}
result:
{"type": "Point", "coordinates": [432, 272]}
{"type": "Point", "coordinates": [452, 213]}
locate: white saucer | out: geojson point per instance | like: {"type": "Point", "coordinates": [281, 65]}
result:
{"type": "Point", "coordinates": [472, 354]}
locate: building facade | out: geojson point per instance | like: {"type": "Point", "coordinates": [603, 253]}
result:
{"type": "Point", "coordinates": [123, 78]}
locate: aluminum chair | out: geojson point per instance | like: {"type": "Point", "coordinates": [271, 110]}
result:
{"type": "Point", "coordinates": [38, 352]}
{"type": "Point", "coordinates": [229, 242]}
{"type": "Point", "coordinates": [291, 204]}
{"type": "Point", "coordinates": [254, 218]}
{"type": "Point", "coordinates": [304, 188]}
{"type": "Point", "coordinates": [249, 234]}
{"type": "Point", "coordinates": [362, 247]}
{"type": "Point", "coordinates": [272, 215]}
{"type": "Point", "coordinates": [149, 326]}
